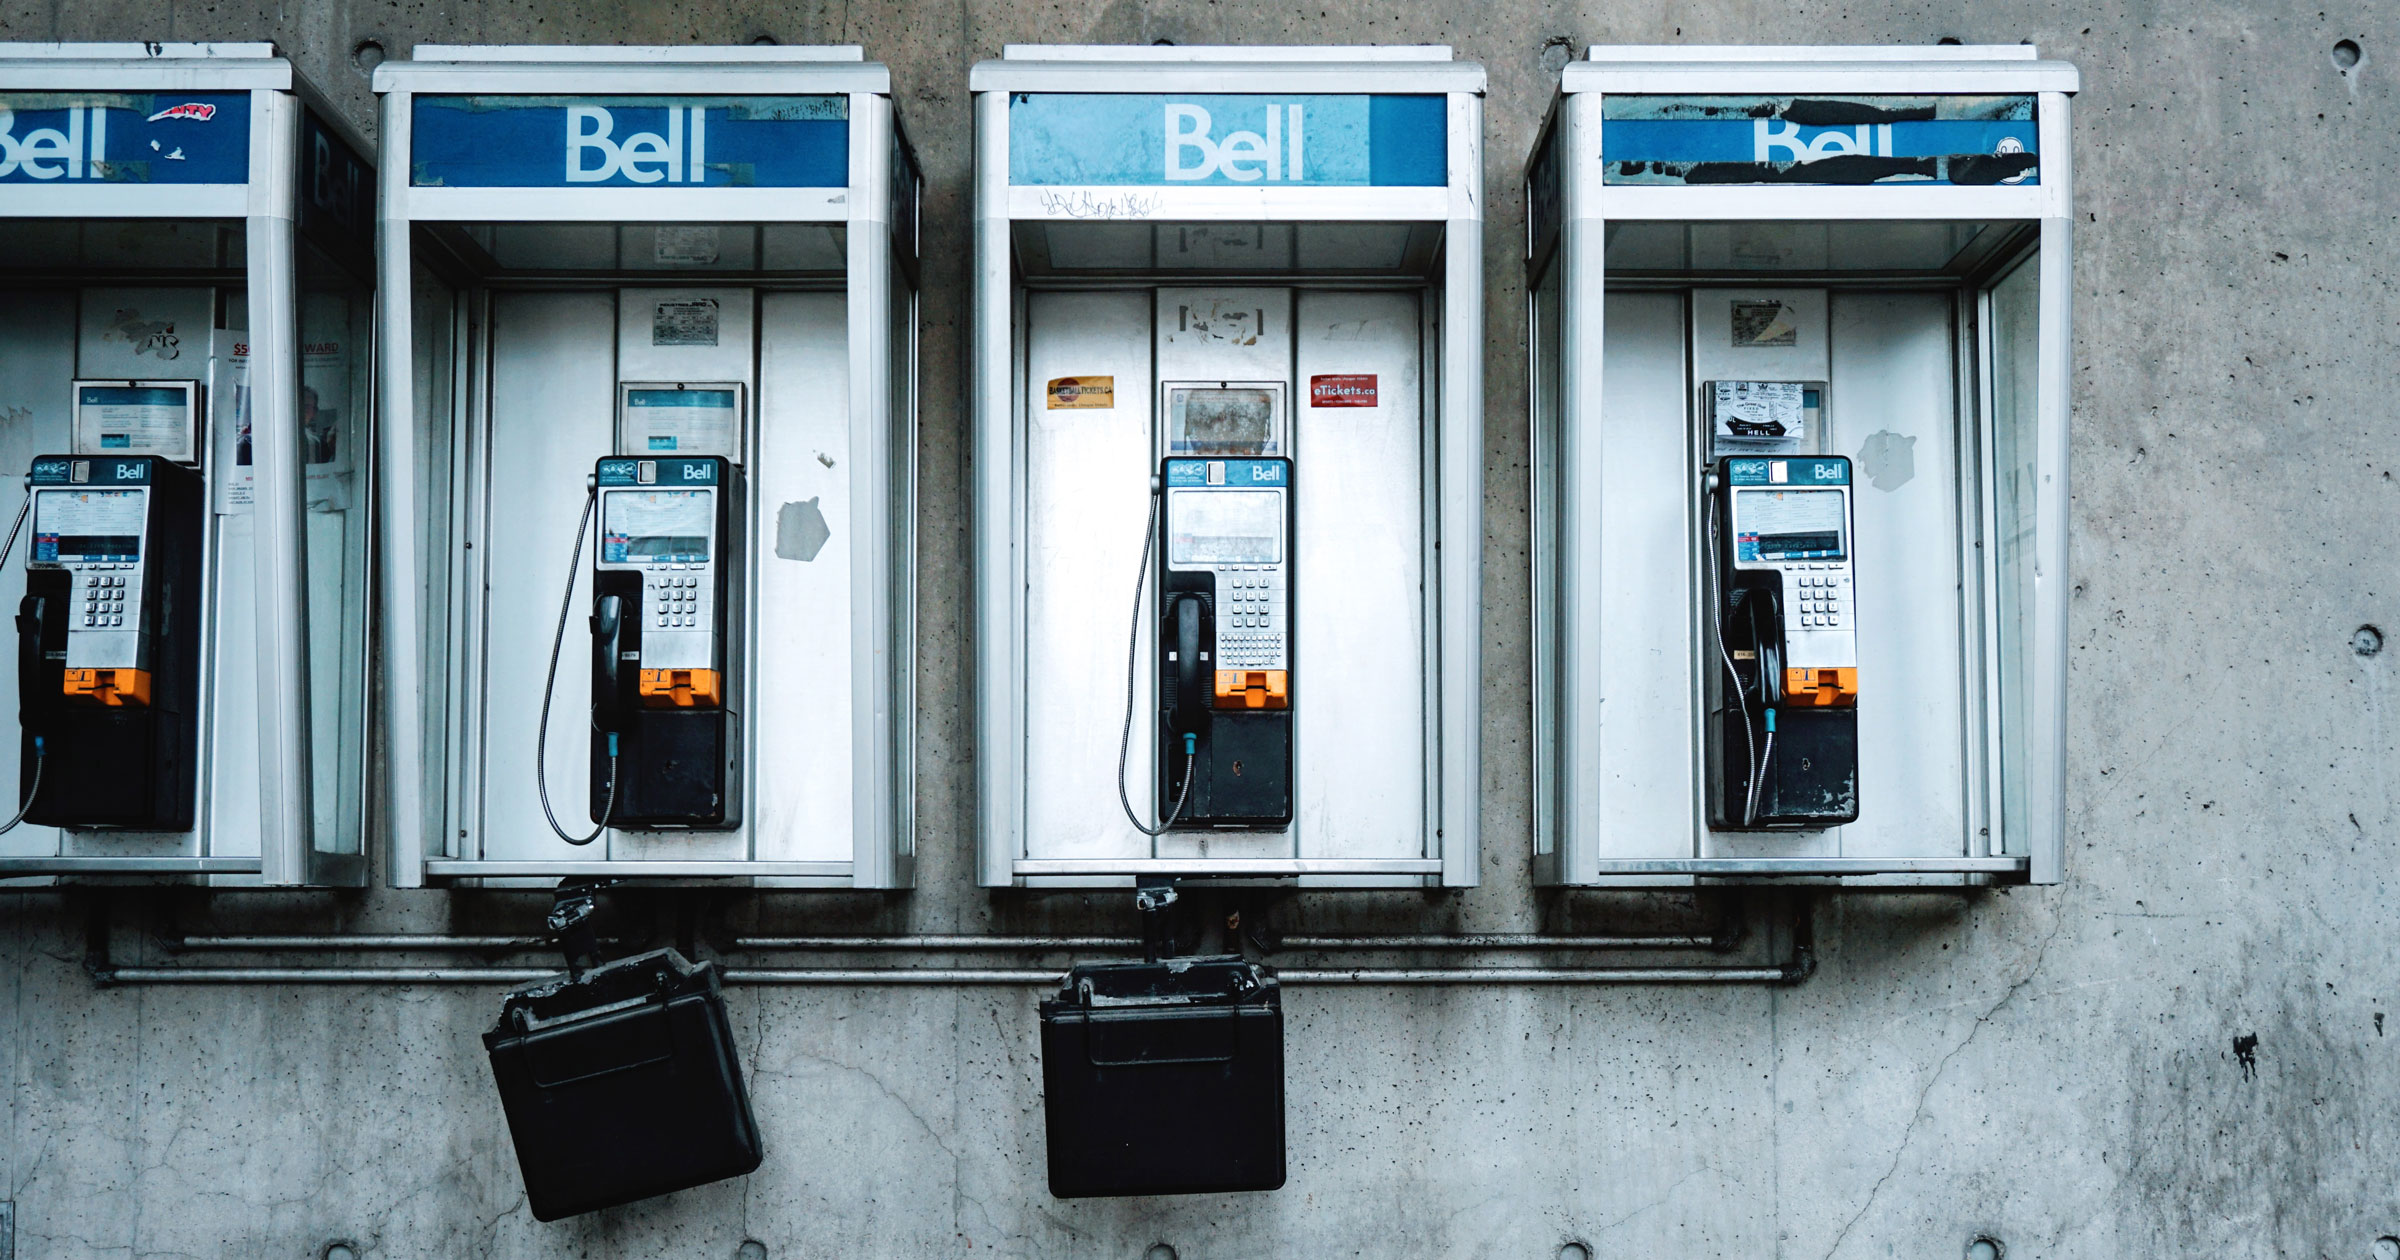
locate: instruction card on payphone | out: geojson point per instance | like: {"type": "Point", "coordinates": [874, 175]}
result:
{"type": "Point", "coordinates": [657, 527]}
{"type": "Point", "coordinates": [1239, 420]}
{"type": "Point", "coordinates": [681, 420]}
{"type": "Point", "coordinates": [89, 525]}
{"type": "Point", "coordinates": [1759, 414]}
{"type": "Point", "coordinates": [135, 418]}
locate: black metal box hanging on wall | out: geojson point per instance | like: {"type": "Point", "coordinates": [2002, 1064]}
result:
{"type": "Point", "coordinates": [1164, 1078]}
{"type": "Point", "coordinates": [621, 1084]}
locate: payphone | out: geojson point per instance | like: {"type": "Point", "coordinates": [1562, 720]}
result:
{"type": "Point", "coordinates": [1784, 613]}
{"type": "Point", "coordinates": [108, 643]}
{"type": "Point", "coordinates": [665, 738]}
{"type": "Point", "coordinates": [1225, 643]}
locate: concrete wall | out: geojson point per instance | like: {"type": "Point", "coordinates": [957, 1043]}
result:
{"type": "Point", "coordinates": [2191, 1048]}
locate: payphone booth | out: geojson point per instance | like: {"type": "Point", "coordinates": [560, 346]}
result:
{"type": "Point", "coordinates": [652, 365]}
{"type": "Point", "coordinates": [186, 339]}
{"type": "Point", "coordinates": [1799, 380]}
{"type": "Point", "coordinates": [1228, 460]}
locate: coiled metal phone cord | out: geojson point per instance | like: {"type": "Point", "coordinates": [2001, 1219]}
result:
{"type": "Point", "coordinates": [1751, 761]}
{"type": "Point", "coordinates": [541, 755]}
{"type": "Point", "coordinates": [41, 755]}
{"type": "Point", "coordinates": [1133, 648]}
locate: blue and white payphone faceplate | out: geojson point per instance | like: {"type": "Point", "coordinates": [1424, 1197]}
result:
{"type": "Point", "coordinates": [658, 518]}
{"type": "Point", "coordinates": [94, 526]}
{"type": "Point", "coordinates": [1225, 676]}
{"type": "Point", "coordinates": [1228, 518]}
{"type": "Point", "coordinates": [1791, 516]}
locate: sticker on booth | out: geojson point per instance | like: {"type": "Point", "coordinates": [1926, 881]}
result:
{"type": "Point", "coordinates": [1878, 140]}
{"type": "Point", "coordinates": [692, 323]}
{"type": "Point", "coordinates": [1077, 393]}
{"type": "Point", "coordinates": [1764, 323]}
{"type": "Point", "coordinates": [1342, 391]}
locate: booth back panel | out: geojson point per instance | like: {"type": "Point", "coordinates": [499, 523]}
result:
{"type": "Point", "coordinates": [1361, 576]}
{"type": "Point", "coordinates": [801, 703]}
{"type": "Point", "coordinates": [37, 363]}
{"type": "Point", "coordinates": [1895, 414]}
{"type": "Point", "coordinates": [1087, 473]}
{"type": "Point", "coordinates": [1648, 784]}
{"type": "Point", "coordinates": [552, 416]}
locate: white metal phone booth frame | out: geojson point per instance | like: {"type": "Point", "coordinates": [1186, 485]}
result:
{"type": "Point", "coordinates": [434, 839]}
{"type": "Point", "coordinates": [1610, 808]}
{"type": "Point", "coordinates": [291, 145]}
{"type": "Point", "coordinates": [1451, 510]}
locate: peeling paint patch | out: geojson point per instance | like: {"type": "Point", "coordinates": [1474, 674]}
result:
{"type": "Point", "coordinates": [1888, 459]}
{"type": "Point", "coordinates": [801, 531]}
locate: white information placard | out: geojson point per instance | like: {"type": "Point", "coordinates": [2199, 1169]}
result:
{"type": "Point", "coordinates": [680, 420]}
{"type": "Point", "coordinates": [1757, 411]}
{"type": "Point", "coordinates": [136, 418]}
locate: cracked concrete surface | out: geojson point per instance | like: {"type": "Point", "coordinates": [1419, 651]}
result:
{"type": "Point", "coordinates": [2055, 1068]}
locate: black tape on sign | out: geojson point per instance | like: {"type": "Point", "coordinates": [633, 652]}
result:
{"type": "Point", "coordinates": [1164, 1078]}
{"type": "Point", "coordinates": [622, 1085]}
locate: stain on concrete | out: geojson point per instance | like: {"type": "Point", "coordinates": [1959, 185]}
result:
{"type": "Point", "coordinates": [2245, 1051]}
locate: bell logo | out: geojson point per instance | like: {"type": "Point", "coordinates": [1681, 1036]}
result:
{"type": "Point", "coordinates": [1768, 136]}
{"type": "Point", "coordinates": [1243, 156]}
{"type": "Point", "coordinates": [48, 153]}
{"type": "Point", "coordinates": [644, 157]}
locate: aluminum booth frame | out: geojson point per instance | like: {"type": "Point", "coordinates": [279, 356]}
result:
{"type": "Point", "coordinates": [1008, 201]}
{"type": "Point", "coordinates": [1601, 818]}
{"type": "Point", "coordinates": [280, 209]}
{"type": "Point", "coordinates": [437, 836]}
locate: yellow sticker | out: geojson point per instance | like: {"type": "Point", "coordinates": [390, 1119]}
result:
{"type": "Point", "coordinates": [1069, 393]}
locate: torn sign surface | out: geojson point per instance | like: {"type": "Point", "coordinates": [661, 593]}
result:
{"type": "Point", "coordinates": [1975, 140]}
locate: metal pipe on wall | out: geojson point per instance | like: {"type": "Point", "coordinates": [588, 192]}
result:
{"type": "Point", "coordinates": [936, 942]}
{"type": "Point", "coordinates": [1498, 941]}
{"type": "Point", "coordinates": [363, 941]}
{"type": "Point", "coordinates": [1788, 973]}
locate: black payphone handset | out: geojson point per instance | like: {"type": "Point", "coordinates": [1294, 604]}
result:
{"type": "Point", "coordinates": [1222, 530]}
{"type": "Point", "coordinates": [108, 643]}
{"type": "Point", "coordinates": [665, 744]}
{"type": "Point", "coordinates": [1783, 715]}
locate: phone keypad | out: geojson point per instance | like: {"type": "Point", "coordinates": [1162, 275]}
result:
{"type": "Point", "coordinates": [1252, 621]}
{"type": "Point", "coordinates": [1818, 596]}
{"type": "Point", "coordinates": [111, 600]}
{"type": "Point", "coordinates": [675, 600]}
